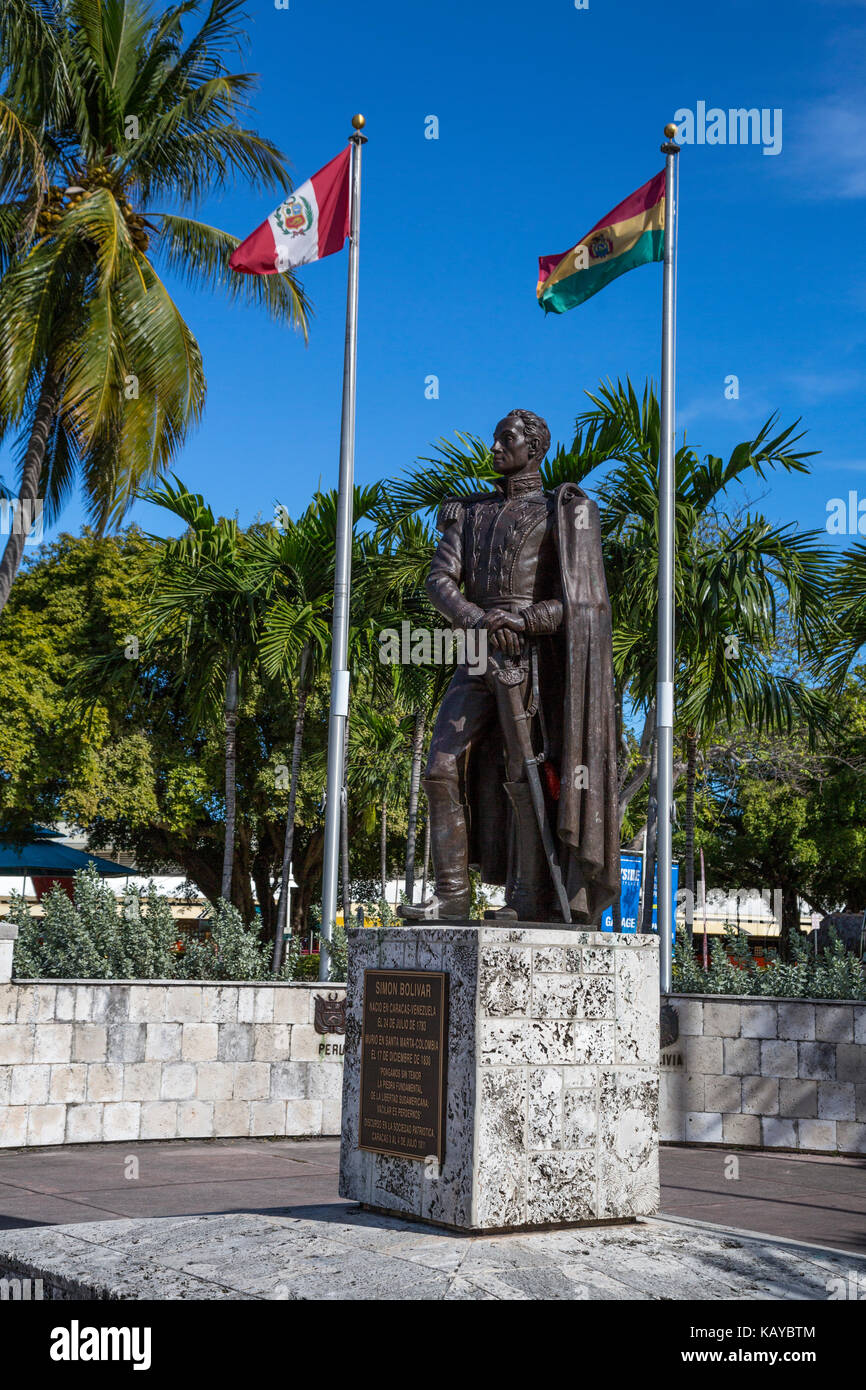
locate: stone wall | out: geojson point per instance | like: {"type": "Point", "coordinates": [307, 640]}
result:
{"type": "Point", "coordinates": [774, 1073]}
{"type": "Point", "coordinates": [86, 1061]}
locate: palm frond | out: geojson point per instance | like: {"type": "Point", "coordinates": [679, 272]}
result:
{"type": "Point", "coordinates": [454, 470]}
{"type": "Point", "coordinates": [200, 253]}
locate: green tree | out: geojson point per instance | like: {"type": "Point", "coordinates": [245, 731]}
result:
{"type": "Point", "coordinates": [789, 810]}
{"type": "Point", "coordinates": [78, 596]}
{"type": "Point", "coordinates": [849, 606]}
{"type": "Point", "coordinates": [363, 626]}
{"type": "Point", "coordinates": [107, 113]}
{"type": "Point", "coordinates": [396, 584]}
{"type": "Point", "coordinates": [133, 768]}
{"type": "Point", "coordinates": [295, 568]}
{"type": "Point", "coordinates": [735, 573]}
{"type": "Point", "coordinates": [379, 762]}
{"type": "Point", "coordinates": [207, 594]}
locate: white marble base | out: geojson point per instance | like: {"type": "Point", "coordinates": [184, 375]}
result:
{"type": "Point", "coordinates": [332, 1254]}
{"type": "Point", "coordinates": [552, 1083]}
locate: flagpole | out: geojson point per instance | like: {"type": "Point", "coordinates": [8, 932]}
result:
{"type": "Point", "coordinates": [339, 710]}
{"type": "Point", "coordinates": [667, 483]}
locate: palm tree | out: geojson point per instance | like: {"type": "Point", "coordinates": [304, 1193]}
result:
{"type": "Point", "coordinates": [733, 577]}
{"type": "Point", "coordinates": [209, 596]}
{"type": "Point", "coordinates": [849, 606]}
{"type": "Point", "coordinates": [296, 571]}
{"type": "Point", "coordinates": [396, 587]}
{"type": "Point", "coordinates": [108, 112]}
{"type": "Point", "coordinates": [295, 574]}
{"type": "Point", "coordinates": [378, 763]}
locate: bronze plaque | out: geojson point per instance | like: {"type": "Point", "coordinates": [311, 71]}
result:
{"type": "Point", "coordinates": [403, 1050]}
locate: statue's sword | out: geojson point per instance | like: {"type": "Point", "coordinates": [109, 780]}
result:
{"type": "Point", "coordinates": [521, 724]}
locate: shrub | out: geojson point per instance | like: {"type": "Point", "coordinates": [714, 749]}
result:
{"type": "Point", "coordinates": [339, 963]}
{"type": "Point", "coordinates": [834, 973]}
{"type": "Point", "coordinates": [308, 967]}
{"type": "Point", "coordinates": [99, 936]}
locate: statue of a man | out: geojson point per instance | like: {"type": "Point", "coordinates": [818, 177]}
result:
{"type": "Point", "coordinates": [521, 780]}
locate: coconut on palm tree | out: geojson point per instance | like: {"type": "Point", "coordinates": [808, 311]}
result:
{"type": "Point", "coordinates": [114, 121]}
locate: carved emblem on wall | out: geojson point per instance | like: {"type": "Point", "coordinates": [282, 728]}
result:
{"type": "Point", "coordinates": [330, 1014]}
{"type": "Point", "coordinates": [669, 1026]}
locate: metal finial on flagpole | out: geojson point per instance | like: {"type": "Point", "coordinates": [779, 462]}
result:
{"type": "Point", "coordinates": [339, 710]}
{"type": "Point", "coordinates": [358, 123]}
{"type": "Point", "coordinates": [667, 542]}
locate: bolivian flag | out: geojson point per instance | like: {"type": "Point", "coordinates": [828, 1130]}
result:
{"type": "Point", "coordinates": [631, 235]}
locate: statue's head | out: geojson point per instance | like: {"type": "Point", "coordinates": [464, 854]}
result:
{"type": "Point", "coordinates": [520, 442]}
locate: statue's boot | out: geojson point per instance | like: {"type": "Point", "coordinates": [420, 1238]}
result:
{"type": "Point", "coordinates": [450, 844]}
{"type": "Point", "coordinates": [529, 898]}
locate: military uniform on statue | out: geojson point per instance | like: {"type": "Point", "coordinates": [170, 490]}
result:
{"type": "Point", "coordinates": [521, 777]}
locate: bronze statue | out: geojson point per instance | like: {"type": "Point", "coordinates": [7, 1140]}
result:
{"type": "Point", "coordinates": [521, 778]}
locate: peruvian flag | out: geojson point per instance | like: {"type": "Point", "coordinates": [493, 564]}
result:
{"type": "Point", "coordinates": [313, 222]}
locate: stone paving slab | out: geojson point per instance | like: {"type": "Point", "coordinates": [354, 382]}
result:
{"type": "Point", "coordinates": [334, 1252]}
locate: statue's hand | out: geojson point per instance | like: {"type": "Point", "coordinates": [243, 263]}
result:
{"type": "Point", "coordinates": [498, 618]}
{"type": "Point", "coordinates": [504, 628]}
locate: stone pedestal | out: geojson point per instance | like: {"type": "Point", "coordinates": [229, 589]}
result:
{"type": "Point", "coordinates": [551, 1085]}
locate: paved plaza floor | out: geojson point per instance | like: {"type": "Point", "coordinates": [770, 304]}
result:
{"type": "Point", "coordinates": [261, 1219]}
{"type": "Point", "coordinates": [817, 1200]}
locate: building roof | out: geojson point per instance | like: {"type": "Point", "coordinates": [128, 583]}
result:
{"type": "Point", "coordinates": [45, 857]}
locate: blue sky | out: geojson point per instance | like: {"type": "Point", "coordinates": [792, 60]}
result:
{"type": "Point", "coordinates": [548, 116]}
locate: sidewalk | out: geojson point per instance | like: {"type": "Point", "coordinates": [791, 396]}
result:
{"type": "Point", "coordinates": [821, 1201]}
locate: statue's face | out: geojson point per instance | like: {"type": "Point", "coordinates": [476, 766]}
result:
{"type": "Point", "coordinates": [512, 451]}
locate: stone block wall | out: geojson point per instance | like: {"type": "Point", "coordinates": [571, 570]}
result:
{"type": "Point", "coordinates": [89, 1061]}
{"type": "Point", "coordinates": [774, 1073]}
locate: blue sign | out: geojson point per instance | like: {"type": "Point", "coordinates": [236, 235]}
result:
{"type": "Point", "coordinates": [629, 899]}
{"type": "Point", "coordinates": [675, 878]}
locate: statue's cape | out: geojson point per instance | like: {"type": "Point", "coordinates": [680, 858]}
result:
{"type": "Point", "coordinates": [577, 695]}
